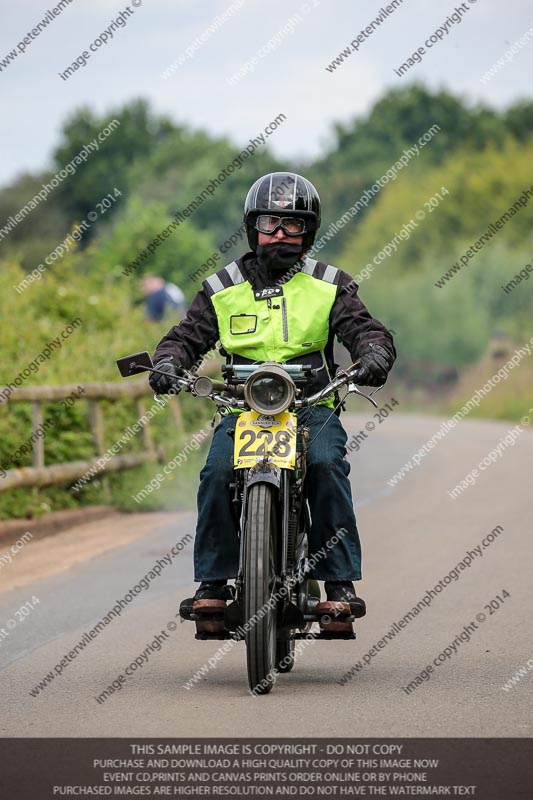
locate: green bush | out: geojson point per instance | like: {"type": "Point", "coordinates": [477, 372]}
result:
{"type": "Point", "coordinates": [111, 326]}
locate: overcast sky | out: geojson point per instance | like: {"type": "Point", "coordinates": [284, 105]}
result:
{"type": "Point", "coordinates": [292, 79]}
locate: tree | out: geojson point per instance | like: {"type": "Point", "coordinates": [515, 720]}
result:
{"type": "Point", "coordinates": [451, 324]}
{"type": "Point", "coordinates": [32, 239]}
{"type": "Point", "coordinates": [364, 149]}
{"type": "Point", "coordinates": [175, 258]}
{"type": "Point", "coordinates": [138, 133]}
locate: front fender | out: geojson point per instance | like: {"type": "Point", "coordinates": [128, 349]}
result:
{"type": "Point", "coordinates": [263, 472]}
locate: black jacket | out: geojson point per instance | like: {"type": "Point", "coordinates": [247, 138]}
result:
{"type": "Point", "coordinates": [350, 321]}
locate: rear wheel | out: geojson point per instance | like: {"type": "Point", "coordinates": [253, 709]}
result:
{"type": "Point", "coordinates": [284, 655]}
{"type": "Point", "coordinates": [259, 586]}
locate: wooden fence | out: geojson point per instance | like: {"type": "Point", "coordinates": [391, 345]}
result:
{"type": "Point", "coordinates": [93, 393]}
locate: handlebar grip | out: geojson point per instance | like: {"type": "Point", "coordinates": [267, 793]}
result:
{"type": "Point", "coordinates": [354, 374]}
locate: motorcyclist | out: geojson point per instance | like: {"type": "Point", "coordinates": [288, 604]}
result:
{"type": "Point", "coordinates": [275, 303]}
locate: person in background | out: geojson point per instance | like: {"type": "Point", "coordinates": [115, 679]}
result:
{"type": "Point", "coordinates": [160, 296]}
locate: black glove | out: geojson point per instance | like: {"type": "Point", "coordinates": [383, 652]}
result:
{"type": "Point", "coordinates": [374, 367]}
{"type": "Point", "coordinates": [160, 383]}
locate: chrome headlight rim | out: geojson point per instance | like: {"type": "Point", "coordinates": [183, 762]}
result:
{"type": "Point", "coordinates": [273, 370]}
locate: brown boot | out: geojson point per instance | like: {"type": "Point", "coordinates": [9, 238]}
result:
{"type": "Point", "coordinates": [342, 603]}
{"type": "Point", "coordinates": [209, 602]}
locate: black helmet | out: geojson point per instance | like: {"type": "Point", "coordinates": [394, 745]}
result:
{"type": "Point", "coordinates": [284, 194]}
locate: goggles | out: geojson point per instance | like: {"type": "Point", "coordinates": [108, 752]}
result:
{"type": "Point", "coordinates": [291, 226]}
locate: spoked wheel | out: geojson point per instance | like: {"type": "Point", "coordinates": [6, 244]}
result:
{"type": "Point", "coordinates": [259, 586]}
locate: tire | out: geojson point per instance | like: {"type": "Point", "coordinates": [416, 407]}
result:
{"type": "Point", "coordinates": [284, 655]}
{"type": "Point", "coordinates": [259, 575]}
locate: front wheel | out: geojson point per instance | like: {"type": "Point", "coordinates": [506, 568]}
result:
{"type": "Point", "coordinates": [259, 586]}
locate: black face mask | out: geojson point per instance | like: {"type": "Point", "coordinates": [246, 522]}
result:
{"type": "Point", "coordinates": [279, 255]}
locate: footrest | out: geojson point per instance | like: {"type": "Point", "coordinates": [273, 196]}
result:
{"type": "Point", "coordinates": [203, 636]}
{"type": "Point", "coordinates": [325, 635]}
{"type": "Point", "coordinates": [210, 624]}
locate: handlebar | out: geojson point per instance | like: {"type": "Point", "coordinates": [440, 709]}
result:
{"type": "Point", "coordinates": [349, 377]}
{"type": "Point", "coordinates": [203, 386]}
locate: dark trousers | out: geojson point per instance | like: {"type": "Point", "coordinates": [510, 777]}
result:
{"type": "Point", "coordinates": [216, 548]}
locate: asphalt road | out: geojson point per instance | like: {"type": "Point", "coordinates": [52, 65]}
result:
{"type": "Point", "coordinates": [413, 535]}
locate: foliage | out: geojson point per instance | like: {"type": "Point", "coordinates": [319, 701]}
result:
{"type": "Point", "coordinates": [363, 150]}
{"type": "Point", "coordinates": [35, 236]}
{"type": "Point", "coordinates": [449, 325]}
{"type": "Point", "coordinates": [481, 188]}
{"type": "Point", "coordinates": [180, 169]}
{"type": "Point", "coordinates": [174, 259]}
{"type": "Point", "coordinates": [136, 136]}
{"type": "Point", "coordinates": [511, 399]}
{"type": "Point", "coordinates": [110, 327]}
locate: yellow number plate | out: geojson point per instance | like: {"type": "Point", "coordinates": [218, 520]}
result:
{"type": "Point", "coordinates": [258, 436]}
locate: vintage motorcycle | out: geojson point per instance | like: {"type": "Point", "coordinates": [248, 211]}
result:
{"type": "Point", "coordinates": [274, 602]}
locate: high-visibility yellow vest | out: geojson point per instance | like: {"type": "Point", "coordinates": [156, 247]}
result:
{"type": "Point", "coordinates": [278, 323]}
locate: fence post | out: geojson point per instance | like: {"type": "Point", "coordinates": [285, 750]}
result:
{"type": "Point", "coordinates": [146, 432]}
{"type": "Point", "coordinates": [96, 422]}
{"type": "Point", "coordinates": [38, 444]}
{"type": "Point", "coordinates": [176, 413]}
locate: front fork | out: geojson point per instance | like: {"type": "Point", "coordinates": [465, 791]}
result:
{"type": "Point", "coordinates": [289, 485]}
{"type": "Point", "coordinates": [262, 472]}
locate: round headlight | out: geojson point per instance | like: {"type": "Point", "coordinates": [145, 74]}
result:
{"type": "Point", "coordinates": [269, 390]}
